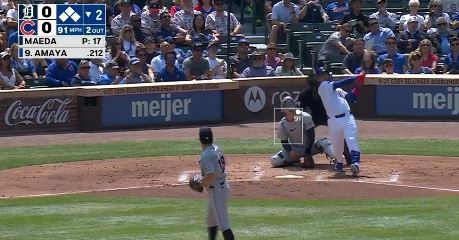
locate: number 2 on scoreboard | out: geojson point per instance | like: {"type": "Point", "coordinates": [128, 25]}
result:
{"type": "Point", "coordinates": [99, 14]}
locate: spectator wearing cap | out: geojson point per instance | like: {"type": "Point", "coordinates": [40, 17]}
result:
{"type": "Point", "coordinates": [442, 36]}
{"type": "Point", "coordinates": [150, 48]}
{"type": "Point", "coordinates": [241, 60]}
{"type": "Point", "coordinates": [178, 5]}
{"type": "Point", "coordinates": [355, 17]}
{"type": "Point", "coordinates": [9, 78]}
{"type": "Point", "coordinates": [196, 67]}
{"type": "Point", "coordinates": [415, 60]}
{"type": "Point", "coordinates": [272, 58]}
{"type": "Point", "coordinates": [129, 41]}
{"type": "Point", "coordinates": [217, 21]}
{"type": "Point", "coordinates": [337, 9]}
{"type": "Point", "coordinates": [168, 29]}
{"type": "Point", "coordinates": [61, 72]}
{"type": "Point", "coordinates": [218, 67]}
{"type": "Point", "coordinates": [111, 75]}
{"type": "Point", "coordinates": [313, 12]}
{"type": "Point", "coordinates": [338, 43]}
{"type": "Point", "coordinates": [206, 7]}
{"type": "Point", "coordinates": [117, 54]}
{"type": "Point", "coordinates": [170, 72]}
{"type": "Point", "coordinates": [159, 62]}
{"type": "Point", "coordinates": [429, 58]}
{"type": "Point", "coordinates": [135, 74]}
{"type": "Point", "coordinates": [413, 6]}
{"type": "Point", "coordinates": [385, 18]}
{"type": "Point", "coordinates": [137, 28]}
{"type": "Point", "coordinates": [354, 59]}
{"type": "Point", "coordinates": [388, 66]}
{"type": "Point", "coordinates": [288, 66]}
{"type": "Point", "coordinates": [135, 9]}
{"type": "Point", "coordinates": [184, 18]}
{"type": "Point", "coordinates": [375, 40]}
{"type": "Point", "coordinates": [410, 38]}
{"type": "Point", "coordinates": [180, 54]}
{"type": "Point", "coordinates": [368, 64]}
{"type": "Point", "coordinates": [200, 31]}
{"type": "Point", "coordinates": [122, 19]}
{"type": "Point", "coordinates": [258, 67]}
{"type": "Point", "coordinates": [22, 65]}
{"type": "Point", "coordinates": [452, 59]}
{"type": "Point", "coordinates": [82, 77]}
{"type": "Point", "coordinates": [141, 54]}
{"type": "Point", "coordinates": [283, 13]}
{"type": "Point", "coordinates": [400, 61]}
{"type": "Point", "coordinates": [150, 19]}
{"type": "Point", "coordinates": [435, 12]}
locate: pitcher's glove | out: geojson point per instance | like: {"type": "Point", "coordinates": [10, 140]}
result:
{"type": "Point", "coordinates": [196, 182]}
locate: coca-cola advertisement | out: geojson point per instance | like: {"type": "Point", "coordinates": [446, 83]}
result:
{"type": "Point", "coordinates": [38, 113]}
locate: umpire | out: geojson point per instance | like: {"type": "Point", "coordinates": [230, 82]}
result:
{"type": "Point", "coordinates": [310, 99]}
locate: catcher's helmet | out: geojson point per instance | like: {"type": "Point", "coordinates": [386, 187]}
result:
{"type": "Point", "coordinates": [278, 160]}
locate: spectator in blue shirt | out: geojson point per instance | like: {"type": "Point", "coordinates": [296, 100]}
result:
{"type": "Point", "coordinates": [336, 10]}
{"type": "Point", "coordinates": [313, 13]}
{"type": "Point", "coordinates": [354, 59]}
{"type": "Point", "coordinates": [452, 59]}
{"type": "Point", "coordinates": [375, 40]}
{"type": "Point", "coordinates": [171, 72]}
{"type": "Point", "coordinates": [13, 38]}
{"type": "Point", "coordinates": [442, 37]}
{"type": "Point", "coordinates": [400, 61]}
{"type": "Point", "coordinates": [82, 78]}
{"type": "Point", "coordinates": [60, 73]}
{"type": "Point", "coordinates": [167, 29]}
{"type": "Point", "coordinates": [111, 75]}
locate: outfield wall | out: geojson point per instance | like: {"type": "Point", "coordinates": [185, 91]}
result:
{"type": "Point", "coordinates": [425, 97]}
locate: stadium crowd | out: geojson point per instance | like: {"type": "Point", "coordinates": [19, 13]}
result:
{"type": "Point", "coordinates": [161, 41]}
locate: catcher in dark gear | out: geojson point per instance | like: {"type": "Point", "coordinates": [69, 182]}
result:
{"type": "Point", "coordinates": [213, 171]}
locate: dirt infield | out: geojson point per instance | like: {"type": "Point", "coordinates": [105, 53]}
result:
{"type": "Point", "coordinates": [251, 177]}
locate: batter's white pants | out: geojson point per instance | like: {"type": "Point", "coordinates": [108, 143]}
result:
{"type": "Point", "coordinates": [344, 128]}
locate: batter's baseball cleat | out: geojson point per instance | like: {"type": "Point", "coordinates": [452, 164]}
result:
{"type": "Point", "coordinates": [339, 167]}
{"type": "Point", "coordinates": [355, 170]}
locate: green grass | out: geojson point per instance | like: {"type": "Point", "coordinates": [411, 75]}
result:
{"type": "Point", "coordinates": [13, 157]}
{"type": "Point", "coordinates": [95, 217]}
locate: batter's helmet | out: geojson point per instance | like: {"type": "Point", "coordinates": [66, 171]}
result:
{"type": "Point", "coordinates": [278, 160]}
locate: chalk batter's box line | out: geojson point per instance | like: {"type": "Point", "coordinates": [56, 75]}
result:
{"type": "Point", "coordinates": [275, 124]}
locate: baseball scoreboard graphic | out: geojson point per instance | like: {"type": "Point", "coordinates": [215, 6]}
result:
{"type": "Point", "coordinates": [61, 30]}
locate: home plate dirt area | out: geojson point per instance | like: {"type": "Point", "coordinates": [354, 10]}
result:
{"type": "Point", "coordinates": [250, 176]}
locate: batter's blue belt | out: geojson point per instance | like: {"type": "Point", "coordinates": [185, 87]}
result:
{"type": "Point", "coordinates": [339, 115]}
{"type": "Point", "coordinates": [222, 185]}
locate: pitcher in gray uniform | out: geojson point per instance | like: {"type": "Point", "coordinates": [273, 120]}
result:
{"type": "Point", "coordinates": [213, 172]}
{"type": "Point", "coordinates": [297, 135]}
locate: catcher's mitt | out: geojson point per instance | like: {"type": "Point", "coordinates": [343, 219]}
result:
{"type": "Point", "coordinates": [196, 182]}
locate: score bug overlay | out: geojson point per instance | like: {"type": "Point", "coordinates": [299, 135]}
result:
{"type": "Point", "coordinates": [296, 117]}
{"type": "Point", "coordinates": [62, 30]}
